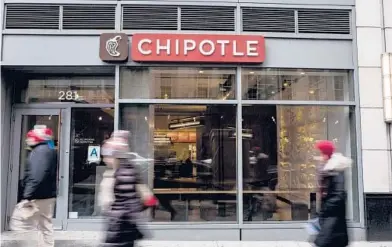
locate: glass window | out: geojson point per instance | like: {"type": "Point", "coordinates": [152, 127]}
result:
{"type": "Point", "coordinates": [193, 158]}
{"type": "Point", "coordinates": [177, 83]}
{"type": "Point", "coordinates": [87, 90]}
{"type": "Point", "coordinates": [296, 84]}
{"type": "Point", "coordinates": [28, 123]}
{"type": "Point", "coordinates": [86, 169]}
{"type": "Point", "coordinates": [279, 170]}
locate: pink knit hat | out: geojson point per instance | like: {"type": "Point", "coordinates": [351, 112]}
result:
{"type": "Point", "coordinates": [39, 134]}
{"type": "Point", "coordinates": [117, 145]}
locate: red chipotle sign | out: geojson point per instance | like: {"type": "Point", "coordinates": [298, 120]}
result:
{"type": "Point", "coordinates": [198, 48]}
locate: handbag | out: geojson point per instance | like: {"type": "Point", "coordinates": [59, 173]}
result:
{"type": "Point", "coordinates": [313, 227]}
{"type": "Point", "coordinates": [22, 213]}
{"type": "Point", "coordinates": [146, 195]}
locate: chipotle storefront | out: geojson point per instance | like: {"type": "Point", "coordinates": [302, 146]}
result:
{"type": "Point", "coordinates": [231, 132]}
{"type": "Point", "coordinates": [223, 123]}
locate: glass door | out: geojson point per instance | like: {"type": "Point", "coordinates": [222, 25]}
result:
{"type": "Point", "coordinates": [25, 120]}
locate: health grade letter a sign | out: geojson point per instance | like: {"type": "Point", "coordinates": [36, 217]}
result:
{"type": "Point", "coordinates": [94, 154]}
{"type": "Point", "coordinates": [198, 48]}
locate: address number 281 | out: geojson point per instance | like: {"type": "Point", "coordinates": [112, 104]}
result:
{"type": "Point", "coordinates": [68, 95]}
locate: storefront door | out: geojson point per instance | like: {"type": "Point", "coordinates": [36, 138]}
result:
{"type": "Point", "coordinates": [25, 120]}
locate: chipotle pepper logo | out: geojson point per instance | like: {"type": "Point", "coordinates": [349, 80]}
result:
{"type": "Point", "coordinates": [113, 47]}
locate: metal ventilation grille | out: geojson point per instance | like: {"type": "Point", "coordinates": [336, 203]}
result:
{"type": "Point", "coordinates": [208, 18]}
{"type": "Point", "coordinates": [32, 16]}
{"type": "Point", "coordinates": [324, 21]}
{"type": "Point", "coordinates": [149, 17]}
{"type": "Point", "coordinates": [268, 20]}
{"type": "Point", "coordinates": [89, 16]}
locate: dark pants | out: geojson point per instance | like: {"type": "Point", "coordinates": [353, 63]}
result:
{"type": "Point", "coordinates": [121, 233]}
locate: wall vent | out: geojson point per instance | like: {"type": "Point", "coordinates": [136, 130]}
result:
{"type": "Point", "coordinates": [85, 16]}
{"type": "Point", "coordinates": [268, 20]}
{"type": "Point", "coordinates": [324, 21]}
{"type": "Point", "coordinates": [32, 16]}
{"type": "Point", "coordinates": [208, 18]}
{"type": "Point", "coordinates": [149, 17]}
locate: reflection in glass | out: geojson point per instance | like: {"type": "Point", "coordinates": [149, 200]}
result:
{"type": "Point", "coordinates": [289, 84]}
{"type": "Point", "coordinates": [28, 123]}
{"type": "Point", "coordinates": [194, 151]}
{"type": "Point", "coordinates": [177, 83]}
{"type": "Point", "coordinates": [278, 165]}
{"type": "Point", "coordinates": [86, 90]}
{"type": "Point", "coordinates": [89, 128]}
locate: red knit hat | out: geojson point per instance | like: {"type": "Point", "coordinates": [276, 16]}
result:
{"type": "Point", "coordinates": [326, 147]}
{"type": "Point", "coordinates": [39, 134]}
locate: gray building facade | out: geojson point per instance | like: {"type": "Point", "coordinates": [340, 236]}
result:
{"type": "Point", "coordinates": [226, 145]}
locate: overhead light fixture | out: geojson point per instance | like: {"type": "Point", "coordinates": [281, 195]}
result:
{"type": "Point", "coordinates": [201, 71]}
{"type": "Point", "coordinates": [162, 139]}
{"type": "Point", "coordinates": [190, 122]}
{"type": "Point", "coordinates": [251, 72]}
{"type": "Point", "coordinates": [386, 64]}
{"type": "Point", "coordinates": [311, 91]}
{"type": "Point", "coordinates": [184, 125]}
{"type": "Point", "coordinates": [246, 134]}
{"type": "Point", "coordinates": [303, 73]}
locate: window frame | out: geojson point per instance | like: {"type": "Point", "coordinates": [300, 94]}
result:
{"type": "Point", "coordinates": [239, 102]}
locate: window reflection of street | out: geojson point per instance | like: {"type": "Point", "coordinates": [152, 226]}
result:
{"type": "Point", "coordinates": [193, 173]}
{"type": "Point", "coordinates": [89, 128]}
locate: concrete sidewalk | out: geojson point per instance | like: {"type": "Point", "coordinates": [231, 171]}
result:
{"type": "Point", "coordinates": [94, 243]}
{"type": "Point", "coordinates": [87, 239]}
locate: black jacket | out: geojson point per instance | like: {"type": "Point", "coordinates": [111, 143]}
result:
{"type": "Point", "coordinates": [332, 216]}
{"type": "Point", "coordinates": [125, 211]}
{"type": "Point", "coordinates": [40, 180]}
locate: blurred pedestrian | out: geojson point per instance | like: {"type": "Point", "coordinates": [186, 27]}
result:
{"type": "Point", "coordinates": [125, 199]}
{"type": "Point", "coordinates": [35, 211]}
{"type": "Point", "coordinates": [332, 215]}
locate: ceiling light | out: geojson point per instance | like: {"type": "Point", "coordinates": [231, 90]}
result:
{"type": "Point", "coordinates": [185, 125]}
{"type": "Point", "coordinates": [100, 118]}
{"type": "Point", "coordinates": [302, 73]}
{"type": "Point", "coordinates": [311, 91]}
{"type": "Point", "coordinates": [251, 72]}
{"type": "Point", "coordinates": [201, 71]}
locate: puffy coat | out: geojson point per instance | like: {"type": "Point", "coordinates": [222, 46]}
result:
{"type": "Point", "coordinates": [124, 212]}
{"type": "Point", "coordinates": [40, 181]}
{"type": "Point", "coordinates": [332, 216]}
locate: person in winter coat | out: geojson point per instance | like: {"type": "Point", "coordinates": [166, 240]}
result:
{"type": "Point", "coordinates": [332, 215]}
{"type": "Point", "coordinates": [40, 187]}
{"type": "Point", "coordinates": [125, 205]}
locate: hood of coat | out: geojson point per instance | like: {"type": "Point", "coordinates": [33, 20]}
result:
{"type": "Point", "coordinates": [337, 163]}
